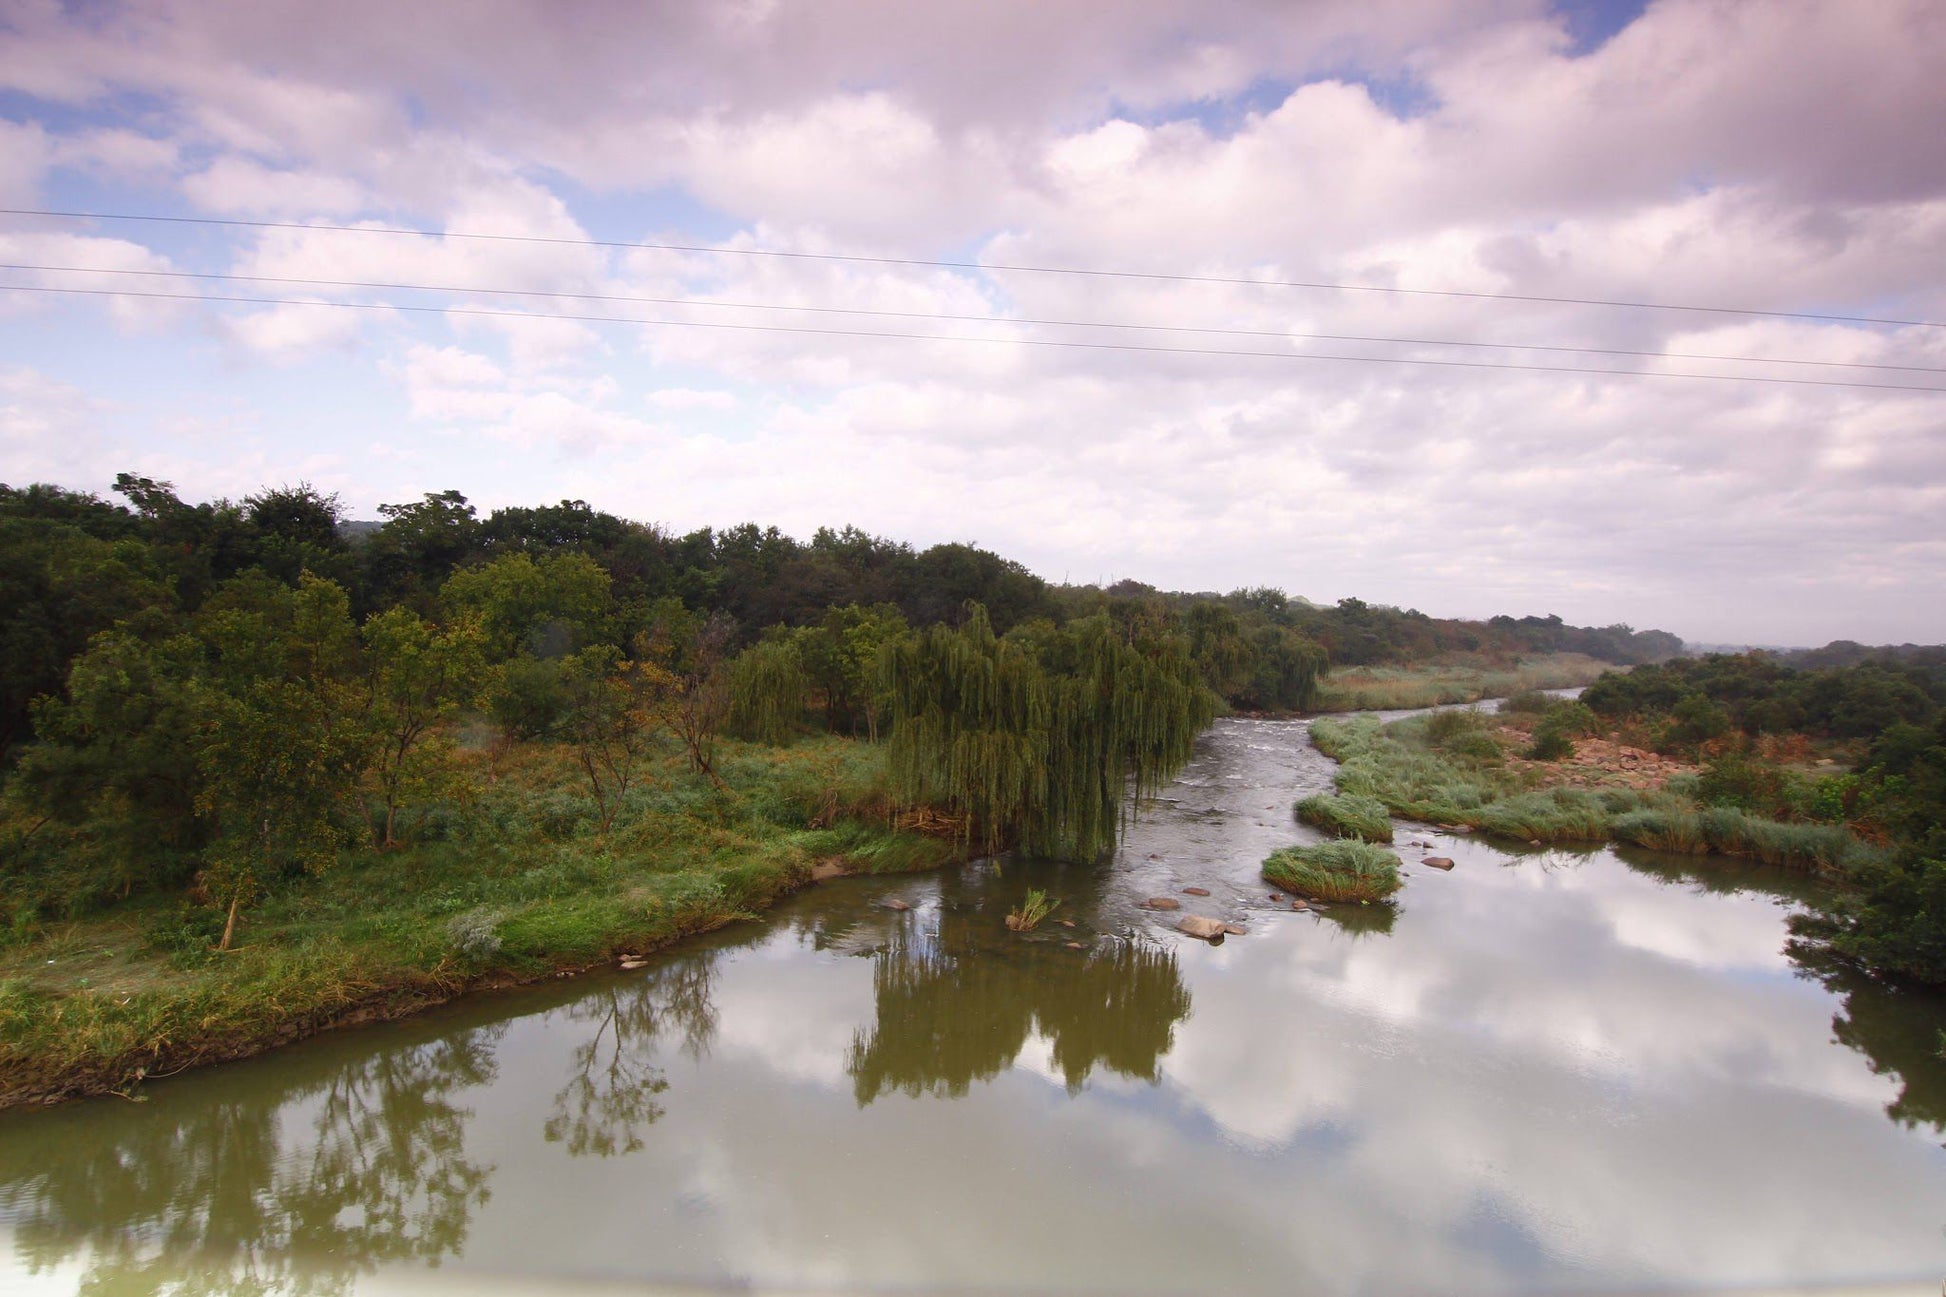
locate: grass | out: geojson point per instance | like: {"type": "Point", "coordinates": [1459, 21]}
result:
{"type": "Point", "coordinates": [513, 885]}
{"type": "Point", "coordinates": [1034, 908]}
{"type": "Point", "coordinates": [1404, 769]}
{"type": "Point", "coordinates": [1347, 815]}
{"type": "Point", "coordinates": [1396, 688]}
{"type": "Point", "coordinates": [1344, 870]}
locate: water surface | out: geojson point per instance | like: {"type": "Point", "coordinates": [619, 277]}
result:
{"type": "Point", "coordinates": [1543, 1071]}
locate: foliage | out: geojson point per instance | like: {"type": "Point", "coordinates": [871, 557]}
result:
{"type": "Point", "coordinates": [1347, 815]}
{"type": "Point", "coordinates": [1033, 908]}
{"type": "Point", "coordinates": [767, 688]}
{"type": "Point", "coordinates": [1342, 870]}
{"type": "Point", "coordinates": [1037, 738]}
{"type": "Point", "coordinates": [1897, 920]}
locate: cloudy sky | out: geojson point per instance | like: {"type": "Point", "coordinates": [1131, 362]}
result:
{"type": "Point", "coordinates": [1781, 157]}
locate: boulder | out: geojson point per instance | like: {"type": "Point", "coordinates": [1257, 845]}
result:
{"type": "Point", "coordinates": [1437, 862]}
{"type": "Point", "coordinates": [1162, 903]}
{"type": "Point", "coordinates": [630, 965]}
{"type": "Point", "coordinates": [1195, 891]}
{"type": "Point", "coordinates": [1236, 929]}
{"type": "Point", "coordinates": [896, 904]}
{"type": "Point", "coordinates": [1197, 925]}
{"type": "Point", "coordinates": [1299, 905]}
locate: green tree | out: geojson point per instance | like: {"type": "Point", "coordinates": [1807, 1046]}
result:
{"type": "Point", "coordinates": [549, 606]}
{"type": "Point", "coordinates": [615, 709]}
{"type": "Point", "coordinates": [420, 675]}
{"type": "Point", "coordinates": [282, 742]}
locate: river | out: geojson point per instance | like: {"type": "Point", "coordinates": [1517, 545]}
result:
{"type": "Point", "coordinates": [1547, 1070]}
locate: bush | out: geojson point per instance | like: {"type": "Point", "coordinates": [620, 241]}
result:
{"type": "Point", "coordinates": [476, 933]}
{"type": "Point", "coordinates": [1550, 745]}
{"type": "Point", "coordinates": [1347, 815]}
{"type": "Point", "coordinates": [1528, 702]}
{"type": "Point", "coordinates": [1345, 870]}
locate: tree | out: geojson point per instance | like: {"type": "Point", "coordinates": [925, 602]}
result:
{"type": "Point", "coordinates": [548, 607]}
{"type": "Point", "coordinates": [615, 708]}
{"type": "Point", "coordinates": [420, 675]}
{"type": "Point", "coordinates": [766, 687]}
{"type": "Point", "coordinates": [281, 743]}
{"type": "Point", "coordinates": [1036, 742]}
{"type": "Point", "coordinates": [693, 652]}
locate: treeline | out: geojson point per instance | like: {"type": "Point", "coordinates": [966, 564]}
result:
{"type": "Point", "coordinates": [1885, 712]}
{"type": "Point", "coordinates": [73, 565]}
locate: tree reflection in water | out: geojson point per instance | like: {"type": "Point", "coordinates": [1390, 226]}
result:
{"type": "Point", "coordinates": [945, 1020]}
{"type": "Point", "coordinates": [610, 1097]}
{"type": "Point", "coordinates": [1898, 1028]}
{"type": "Point", "coordinates": [294, 1192]}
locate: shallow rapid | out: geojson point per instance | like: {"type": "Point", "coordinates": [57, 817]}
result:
{"type": "Point", "coordinates": [1544, 1070]}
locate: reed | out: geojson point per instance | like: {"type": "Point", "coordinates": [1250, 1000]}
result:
{"type": "Point", "coordinates": [1347, 815]}
{"type": "Point", "coordinates": [1344, 870]}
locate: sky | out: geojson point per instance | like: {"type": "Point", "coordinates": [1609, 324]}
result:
{"type": "Point", "coordinates": [1423, 164]}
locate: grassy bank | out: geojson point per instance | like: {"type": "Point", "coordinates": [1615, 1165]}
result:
{"type": "Point", "coordinates": [1446, 769]}
{"type": "Point", "coordinates": [512, 883]}
{"type": "Point", "coordinates": [1348, 689]}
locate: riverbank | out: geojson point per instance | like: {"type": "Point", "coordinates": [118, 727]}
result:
{"type": "Point", "coordinates": [1381, 688]}
{"type": "Point", "coordinates": [1465, 770]}
{"type": "Point", "coordinates": [509, 882]}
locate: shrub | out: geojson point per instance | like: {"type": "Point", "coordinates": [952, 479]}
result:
{"type": "Point", "coordinates": [1550, 745]}
{"type": "Point", "coordinates": [1528, 702]}
{"type": "Point", "coordinates": [1347, 815]}
{"type": "Point", "coordinates": [476, 933]}
{"type": "Point", "coordinates": [1344, 870]}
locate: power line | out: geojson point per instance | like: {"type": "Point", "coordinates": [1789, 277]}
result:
{"type": "Point", "coordinates": [982, 267]}
{"type": "Point", "coordinates": [1284, 334]}
{"type": "Point", "coordinates": [937, 337]}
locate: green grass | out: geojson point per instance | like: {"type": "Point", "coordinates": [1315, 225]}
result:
{"type": "Point", "coordinates": [1347, 815]}
{"type": "Point", "coordinates": [1034, 908]}
{"type": "Point", "coordinates": [1419, 768]}
{"type": "Point", "coordinates": [1344, 870]}
{"type": "Point", "coordinates": [1394, 688]}
{"type": "Point", "coordinates": [513, 884]}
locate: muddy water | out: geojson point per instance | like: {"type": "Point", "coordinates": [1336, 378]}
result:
{"type": "Point", "coordinates": [1543, 1071]}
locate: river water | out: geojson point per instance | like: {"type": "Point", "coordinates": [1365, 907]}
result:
{"type": "Point", "coordinates": [1543, 1071]}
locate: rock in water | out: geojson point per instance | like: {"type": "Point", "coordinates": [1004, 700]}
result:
{"type": "Point", "coordinates": [1195, 891]}
{"type": "Point", "coordinates": [896, 904]}
{"type": "Point", "coordinates": [1162, 903]}
{"type": "Point", "coordinates": [1437, 862]}
{"type": "Point", "coordinates": [1236, 929]}
{"type": "Point", "coordinates": [1299, 905]}
{"type": "Point", "coordinates": [1198, 926]}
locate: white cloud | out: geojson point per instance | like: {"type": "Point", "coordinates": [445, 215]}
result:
{"type": "Point", "coordinates": [1685, 160]}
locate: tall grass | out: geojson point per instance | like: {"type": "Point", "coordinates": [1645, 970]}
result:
{"type": "Point", "coordinates": [1344, 870]}
{"type": "Point", "coordinates": [1347, 815]}
{"type": "Point", "coordinates": [1391, 688]}
{"type": "Point", "coordinates": [1403, 768]}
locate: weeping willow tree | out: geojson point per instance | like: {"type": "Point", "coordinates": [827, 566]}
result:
{"type": "Point", "coordinates": [767, 692]}
{"type": "Point", "coordinates": [1037, 740]}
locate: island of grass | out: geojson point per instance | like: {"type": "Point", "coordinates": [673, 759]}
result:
{"type": "Point", "coordinates": [1347, 815]}
{"type": "Point", "coordinates": [1345, 870]}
